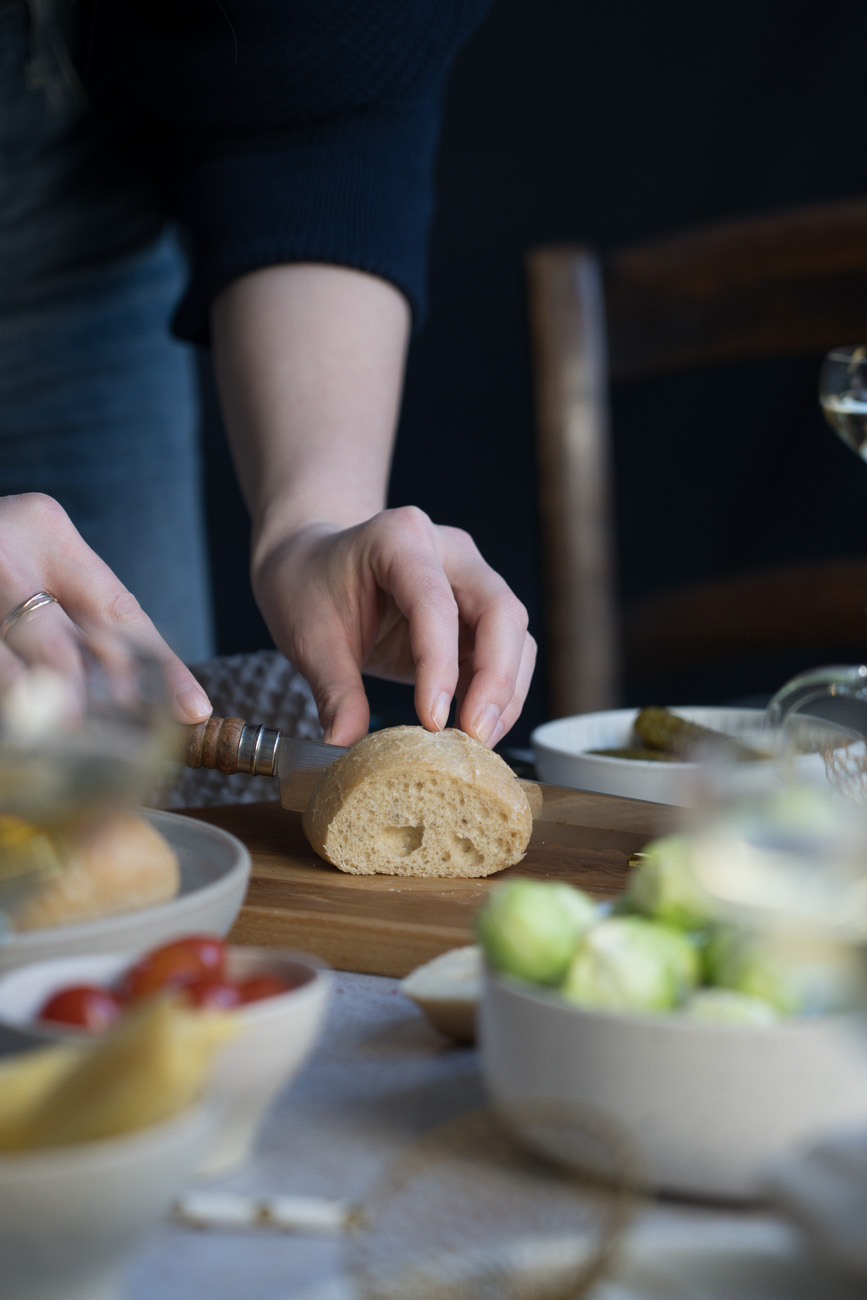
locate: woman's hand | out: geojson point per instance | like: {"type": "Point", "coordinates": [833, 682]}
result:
{"type": "Point", "coordinates": [401, 598]}
{"type": "Point", "coordinates": [309, 362]}
{"type": "Point", "coordinates": [40, 550]}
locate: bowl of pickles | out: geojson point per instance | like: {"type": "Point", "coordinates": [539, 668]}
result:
{"type": "Point", "coordinates": [664, 755]}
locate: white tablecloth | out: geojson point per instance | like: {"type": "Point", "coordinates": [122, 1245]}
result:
{"type": "Point", "coordinates": [379, 1078]}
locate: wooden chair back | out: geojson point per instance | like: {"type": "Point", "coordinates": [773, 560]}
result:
{"type": "Point", "coordinates": [787, 284]}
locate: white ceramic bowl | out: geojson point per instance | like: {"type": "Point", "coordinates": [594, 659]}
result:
{"type": "Point", "coordinates": [560, 752]}
{"type": "Point", "coordinates": [215, 872]}
{"type": "Point", "coordinates": [707, 1107]}
{"type": "Point", "coordinates": [72, 1217]}
{"type": "Point", "coordinates": [277, 1034]}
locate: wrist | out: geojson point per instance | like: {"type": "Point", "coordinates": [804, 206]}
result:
{"type": "Point", "coordinates": [279, 522]}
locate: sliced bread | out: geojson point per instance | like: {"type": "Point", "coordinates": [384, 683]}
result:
{"type": "Point", "coordinates": [409, 802]}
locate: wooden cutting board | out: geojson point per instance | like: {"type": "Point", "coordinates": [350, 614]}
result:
{"type": "Point", "coordinates": [388, 925]}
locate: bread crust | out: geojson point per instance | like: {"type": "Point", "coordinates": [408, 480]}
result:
{"type": "Point", "coordinates": [409, 802]}
{"type": "Point", "coordinates": [448, 990]}
{"type": "Point", "coordinates": [122, 865]}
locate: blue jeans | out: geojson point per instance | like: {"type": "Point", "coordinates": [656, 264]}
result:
{"type": "Point", "coordinates": [98, 404]}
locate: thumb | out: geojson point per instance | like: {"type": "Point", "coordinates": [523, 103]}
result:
{"type": "Point", "coordinates": [341, 701]}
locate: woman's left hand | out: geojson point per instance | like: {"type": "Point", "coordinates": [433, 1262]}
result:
{"type": "Point", "coordinates": [402, 598]}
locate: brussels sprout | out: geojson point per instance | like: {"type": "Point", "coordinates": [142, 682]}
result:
{"type": "Point", "coordinates": [663, 886]}
{"type": "Point", "coordinates": [733, 959]}
{"type": "Point", "coordinates": [794, 980]}
{"type": "Point", "coordinates": [628, 963]}
{"type": "Point", "coordinates": [529, 928]}
{"type": "Point", "coordinates": [728, 1007]}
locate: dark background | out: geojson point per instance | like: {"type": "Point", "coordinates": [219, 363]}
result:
{"type": "Point", "coordinates": [607, 122]}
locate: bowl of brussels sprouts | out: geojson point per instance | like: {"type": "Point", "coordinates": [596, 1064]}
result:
{"type": "Point", "coordinates": [714, 1047]}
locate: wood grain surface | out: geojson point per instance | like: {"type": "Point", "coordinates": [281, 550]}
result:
{"type": "Point", "coordinates": [388, 925]}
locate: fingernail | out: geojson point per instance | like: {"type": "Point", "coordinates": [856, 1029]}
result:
{"type": "Point", "coordinates": [486, 723]}
{"type": "Point", "coordinates": [193, 703]}
{"type": "Point", "coordinates": [440, 711]}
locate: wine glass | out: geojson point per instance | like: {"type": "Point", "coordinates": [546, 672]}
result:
{"type": "Point", "coordinates": [785, 863]}
{"type": "Point", "coordinates": [843, 395]}
{"type": "Point", "coordinates": [75, 746]}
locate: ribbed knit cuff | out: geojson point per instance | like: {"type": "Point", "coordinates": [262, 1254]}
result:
{"type": "Point", "coordinates": [354, 191]}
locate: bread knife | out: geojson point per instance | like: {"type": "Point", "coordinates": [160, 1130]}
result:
{"type": "Point", "coordinates": [230, 745]}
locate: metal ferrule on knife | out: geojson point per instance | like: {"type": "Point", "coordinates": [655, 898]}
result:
{"type": "Point", "coordinates": [257, 750]}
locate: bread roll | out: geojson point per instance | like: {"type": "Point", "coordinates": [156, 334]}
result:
{"type": "Point", "coordinates": [448, 990]}
{"type": "Point", "coordinates": [410, 802]}
{"type": "Point", "coordinates": [121, 865]}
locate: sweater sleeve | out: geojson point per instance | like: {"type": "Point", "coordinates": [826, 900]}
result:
{"type": "Point", "coordinates": [289, 130]}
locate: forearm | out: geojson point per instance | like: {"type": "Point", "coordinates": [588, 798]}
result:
{"type": "Point", "coordinates": [309, 362]}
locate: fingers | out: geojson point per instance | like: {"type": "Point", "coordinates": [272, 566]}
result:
{"type": "Point", "coordinates": [475, 721]}
{"type": "Point", "coordinates": [41, 550]}
{"type": "Point", "coordinates": [467, 630]}
{"type": "Point", "coordinates": [342, 706]}
{"type": "Point", "coordinates": [497, 653]}
{"type": "Point", "coordinates": [403, 599]}
{"type": "Point", "coordinates": [499, 673]}
{"type": "Point", "coordinates": [46, 637]}
{"type": "Point", "coordinates": [330, 664]}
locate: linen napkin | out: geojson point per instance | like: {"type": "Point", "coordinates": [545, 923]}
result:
{"type": "Point", "coordinates": [822, 1190]}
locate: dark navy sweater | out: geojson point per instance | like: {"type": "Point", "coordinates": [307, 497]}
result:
{"type": "Point", "coordinates": [285, 130]}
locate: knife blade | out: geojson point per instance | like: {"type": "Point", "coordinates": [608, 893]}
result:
{"type": "Point", "coordinates": [230, 745]}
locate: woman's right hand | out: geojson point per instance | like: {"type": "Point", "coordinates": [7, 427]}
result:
{"type": "Point", "coordinates": [41, 550]}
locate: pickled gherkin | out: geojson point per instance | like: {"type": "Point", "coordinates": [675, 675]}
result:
{"type": "Point", "coordinates": [646, 755]}
{"type": "Point", "coordinates": [659, 729]}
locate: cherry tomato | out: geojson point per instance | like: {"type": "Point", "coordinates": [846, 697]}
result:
{"type": "Point", "coordinates": [208, 992]}
{"type": "Point", "coordinates": [257, 987]}
{"type": "Point", "coordinates": [82, 1005]}
{"type": "Point", "coordinates": [173, 965]}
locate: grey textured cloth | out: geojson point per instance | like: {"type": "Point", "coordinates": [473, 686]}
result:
{"type": "Point", "coordinates": [260, 687]}
{"type": "Point", "coordinates": [822, 1189]}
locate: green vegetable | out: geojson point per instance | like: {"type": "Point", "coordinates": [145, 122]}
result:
{"type": "Point", "coordinates": [628, 963]}
{"type": "Point", "coordinates": [733, 960]}
{"type": "Point", "coordinates": [663, 885]}
{"type": "Point", "coordinates": [661, 729]}
{"type": "Point", "coordinates": [727, 1007]}
{"type": "Point", "coordinates": [530, 928]}
{"type": "Point", "coordinates": [791, 980]}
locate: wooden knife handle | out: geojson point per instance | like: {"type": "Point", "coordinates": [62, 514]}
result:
{"type": "Point", "coordinates": [213, 744]}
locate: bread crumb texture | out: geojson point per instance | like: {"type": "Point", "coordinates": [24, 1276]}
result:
{"type": "Point", "coordinates": [123, 864]}
{"type": "Point", "coordinates": [409, 802]}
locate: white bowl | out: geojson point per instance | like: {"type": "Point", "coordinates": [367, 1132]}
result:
{"type": "Point", "coordinates": [277, 1034]}
{"type": "Point", "coordinates": [707, 1107]}
{"type": "Point", "coordinates": [215, 872]}
{"type": "Point", "coordinates": [560, 752]}
{"type": "Point", "coordinates": [72, 1217]}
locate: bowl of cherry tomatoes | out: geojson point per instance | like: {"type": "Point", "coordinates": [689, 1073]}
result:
{"type": "Point", "coordinates": [279, 997]}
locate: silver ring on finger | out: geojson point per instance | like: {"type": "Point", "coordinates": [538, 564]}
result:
{"type": "Point", "coordinates": [28, 606]}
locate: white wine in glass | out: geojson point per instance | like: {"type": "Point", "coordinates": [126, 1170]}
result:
{"type": "Point", "coordinates": [843, 395]}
